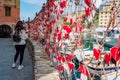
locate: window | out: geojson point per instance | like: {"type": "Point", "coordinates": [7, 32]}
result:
{"type": "Point", "coordinates": [7, 11]}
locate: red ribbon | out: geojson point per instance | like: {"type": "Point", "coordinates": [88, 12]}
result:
{"type": "Point", "coordinates": [87, 12]}
{"type": "Point", "coordinates": [107, 58]}
{"type": "Point", "coordinates": [88, 2]}
{"type": "Point", "coordinates": [83, 70]}
{"type": "Point", "coordinates": [97, 53]}
{"type": "Point", "coordinates": [71, 65]}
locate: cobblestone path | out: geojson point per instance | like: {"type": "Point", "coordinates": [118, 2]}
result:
{"type": "Point", "coordinates": [7, 52]}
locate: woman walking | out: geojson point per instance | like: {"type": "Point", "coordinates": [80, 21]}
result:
{"type": "Point", "coordinates": [19, 45]}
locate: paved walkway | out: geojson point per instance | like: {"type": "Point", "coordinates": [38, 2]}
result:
{"type": "Point", "coordinates": [7, 52]}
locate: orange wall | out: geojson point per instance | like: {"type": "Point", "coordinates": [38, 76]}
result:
{"type": "Point", "coordinates": [15, 14]}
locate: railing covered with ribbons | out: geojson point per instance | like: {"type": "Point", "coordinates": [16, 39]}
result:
{"type": "Point", "coordinates": [59, 27]}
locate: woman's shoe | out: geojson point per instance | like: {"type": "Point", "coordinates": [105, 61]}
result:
{"type": "Point", "coordinates": [20, 67]}
{"type": "Point", "coordinates": [14, 65]}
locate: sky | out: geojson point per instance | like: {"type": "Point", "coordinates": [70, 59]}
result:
{"type": "Point", "coordinates": [28, 8]}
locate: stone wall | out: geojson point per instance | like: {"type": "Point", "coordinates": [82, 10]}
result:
{"type": "Point", "coordinates": [41, 68]}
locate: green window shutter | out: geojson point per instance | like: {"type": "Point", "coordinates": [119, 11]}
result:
{"type": "Point", "coordinates": [7, 11]}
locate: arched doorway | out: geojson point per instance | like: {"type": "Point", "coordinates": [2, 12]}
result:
{"type": "Point", "coordinates": [5, 31]}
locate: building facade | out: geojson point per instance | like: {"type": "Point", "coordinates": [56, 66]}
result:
{"type": "Point", "coordinates": [105, 14]}
{"type": "Point", "coordinates": [9, 14]}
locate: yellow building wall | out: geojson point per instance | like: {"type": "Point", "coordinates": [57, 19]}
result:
{"type": "Point", "coordinates": [104, 18]}
{"type": "Point", "coordinates": [15, 3]}
{"type": "Point", "coordinates": [105, 13]}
